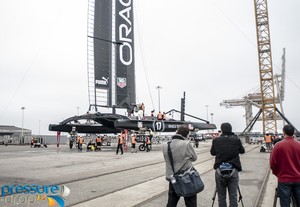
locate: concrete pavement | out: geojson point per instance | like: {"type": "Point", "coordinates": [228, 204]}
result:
{"type": "Point", "coordinates": [147, 186]}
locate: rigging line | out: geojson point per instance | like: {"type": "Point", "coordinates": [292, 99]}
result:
{"type": "Point", "coordinates": [142, 56]}
{"type": "Point", "coordinates": [297, 86]}
{"type": "Point", "coordinates": [241, 31]}
{"type": "Point", "coordinates": [16, 90]}
{"type": "Point", "coordinates": [30, 66]}
{"type": "Point", "coordinates": [19, 84]}
{"type": "Point", "coordinates": [234, 24]}
{"type": "Point", "coordinates": [237, 27]}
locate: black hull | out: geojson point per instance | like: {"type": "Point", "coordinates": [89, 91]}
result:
{"type": "Point", "coordinates": [83, 129]}
{"type": "Point", "coordinates": [161, 125]}
{"type": "Point", "coordinates": [113, 123]}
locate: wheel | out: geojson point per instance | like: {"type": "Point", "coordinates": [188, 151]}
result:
{"type": "Point", "coordinates": [142, 147]}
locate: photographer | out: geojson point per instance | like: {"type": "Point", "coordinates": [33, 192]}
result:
{"type": "Point", "coordinates": [227, 148]}
{"type": "Point", "coordinates": [183, 154]}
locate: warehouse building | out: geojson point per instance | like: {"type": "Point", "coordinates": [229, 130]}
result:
{"type": "Point", "coordinates": [13, 135]}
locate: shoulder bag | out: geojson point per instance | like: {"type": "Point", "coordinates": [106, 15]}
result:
{"type": "Point", "coordinates": [186, 183]}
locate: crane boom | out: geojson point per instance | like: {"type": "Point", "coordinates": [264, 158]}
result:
{"type": "Point", "coordinates": [268, 105]}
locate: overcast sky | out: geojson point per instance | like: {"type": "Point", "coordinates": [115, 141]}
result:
{"type": "Point", "coordinates": [205, 48]}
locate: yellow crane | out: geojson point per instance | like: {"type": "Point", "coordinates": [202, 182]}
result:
{"type": "Point", "coordinates": [268, 105]}
{"type": "Point", "coordinates": [265, 99]}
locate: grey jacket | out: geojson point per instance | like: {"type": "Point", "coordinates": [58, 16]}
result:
{"type": "Point", "coordinates": [183, 155]}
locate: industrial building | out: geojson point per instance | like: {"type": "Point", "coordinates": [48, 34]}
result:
{"type": "Point", "coordinates": [13, 135]}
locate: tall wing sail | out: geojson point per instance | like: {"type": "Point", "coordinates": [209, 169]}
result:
{"type": "Point", "coordinates": [125, 76]}
{"type": "Point", "coordinates": [111, 73]}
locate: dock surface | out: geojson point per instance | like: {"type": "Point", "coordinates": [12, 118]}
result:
{"type": "Point", "coordinates": [103, 178]}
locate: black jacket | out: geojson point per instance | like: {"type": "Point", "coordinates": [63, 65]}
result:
{"type": "Point", "coordinates": [227, 148]}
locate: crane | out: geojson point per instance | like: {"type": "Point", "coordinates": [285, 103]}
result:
{"type": "Point", "coordinates": [268, 103]}
{"type": "Point", "coordinates": [265, 99]}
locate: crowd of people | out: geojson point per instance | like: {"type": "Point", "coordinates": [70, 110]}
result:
{"type": "Point", "coordinates": [227, 147]}
{"type": "Point", "coordinates": [139, 112]}
{"type": "Point", "coordinates": [91, 144]}
{"type": "Point", "coordinates": [123, 141]}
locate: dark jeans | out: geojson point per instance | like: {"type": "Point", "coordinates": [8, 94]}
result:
{"type": "Point", "coordinates": [232, 185]}
{"type": "Point", "coordinates": [119, 147]}
{"type": "Point", "coordinates": [269, 145]}
{"type": "Point", "coordinates": [286, 190]}
{"type": "Point", "coordinates": [80, 147]}
{"type": "Point", "coordinates": [174, 198]}
{"type": "Point", "coordinates": [148, 147]}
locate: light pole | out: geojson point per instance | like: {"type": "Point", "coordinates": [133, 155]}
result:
{"type": "Point", "coordinates": [77, 110]}
{"type": "Point", "coordinates": [39, 127]}
{"type": "Point", "coordinates": [212, 114]}
{"type": "Point", "coordinates": [23, 108]}
{"type": "Point", "coordinates": [206, 112]}
{"type": "Point", "coordinates": [158, 89]}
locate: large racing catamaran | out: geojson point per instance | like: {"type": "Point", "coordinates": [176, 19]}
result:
{"type": "Point", "coordinates": [111, 77]}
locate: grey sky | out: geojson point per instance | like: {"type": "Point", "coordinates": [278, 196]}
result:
{"type": "Point", "coordinates": [205, 48]}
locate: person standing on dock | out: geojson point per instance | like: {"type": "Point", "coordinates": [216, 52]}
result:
{"type": "Point", "coordinates": [268, 141]}
{"type": "Point", "coordinates": [98, 143]}
{"type": "Point", "coordinates": [120, 142]}
{"type": "Point", "coordinates": [183, 154]}
{"type": "Point", "coordinates": [227, 148]}
{"type": "Point", "coordinates": [80, 143]}
{"type": "Point", "coordinates": [285, 165]}
{"type": "Point", "coordinates": [133, 142]}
